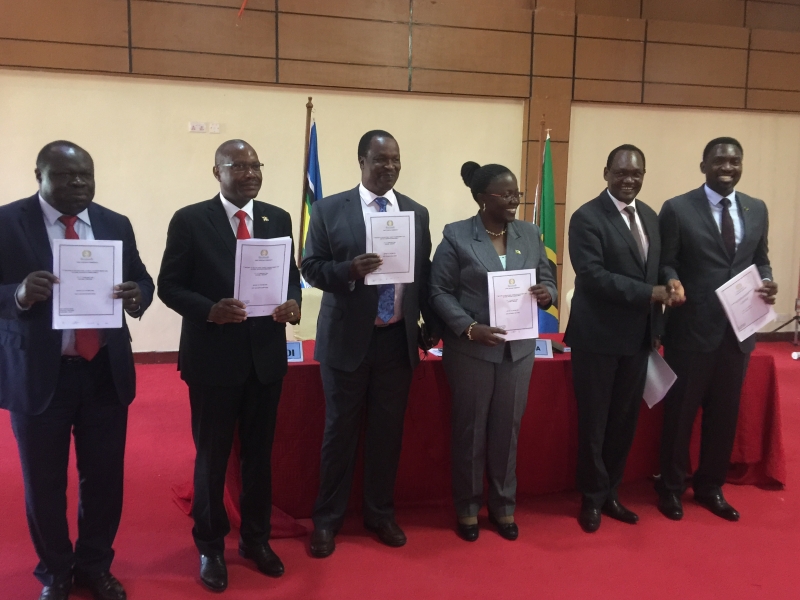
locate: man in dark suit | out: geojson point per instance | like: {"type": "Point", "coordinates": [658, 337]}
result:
{"type": "Point", "coordinates": [233, 364]}
{"type": "Point", "coordinates": [59, 381]}
{"type": "Point", "coordinates": [709, 235]}
{"type": "Point", "coordinates": [614, 322]}
{"type": "Point", "coordinates": [367, 340]}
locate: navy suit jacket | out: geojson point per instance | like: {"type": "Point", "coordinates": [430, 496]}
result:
{"type": "Point", "coordinates": [30, 349]}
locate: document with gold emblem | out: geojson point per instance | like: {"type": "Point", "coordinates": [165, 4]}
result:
{"type": "Point", "coordinates": [744, 306]}
{"type": "Point", "coordinates": [87, 272]}
{"type": "Point", "coordinates": [262, 274]}
{"type": "Point", "coordinates": [511, 305]}
{"type": "Point", "coordinates": [391, 236]}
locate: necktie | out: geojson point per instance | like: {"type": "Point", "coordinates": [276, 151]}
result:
{"type": "Point", "coordinates": [726, 228]}
{"type": "Point", "coordinates": [635, 231]}
{"type": "Point", "coordinates": [241, 232]}
{"type": "Point", "coordinates": [386, 290]}
{"type": "Point", "coordinates": [87, 341]}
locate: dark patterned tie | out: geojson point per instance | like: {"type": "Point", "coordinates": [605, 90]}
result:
{"type": "Point", "coordinates": [726, 228]}
{"type": "Point", "coordinates": [635, 231]}
{"type": "Point", "coordinates": [385, 290]}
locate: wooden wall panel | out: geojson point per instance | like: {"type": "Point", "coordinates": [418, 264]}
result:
{"type": "Point", "coordinates": [670, 63]}
{"type": "Point", "coordinates": [774, 71]}
{"type": "Point", "coordinates": [475, 50]}
{"type": "Point", "coordinates": [203, 66]}
{"type": "Point", "coordinates": [327, 39]}
{"type": "Point", "coordinates": [701, 34]}
{"type": "Point", "coordinates": [762, 15]}
{"type": "Point", "coordinates": [378, 10]}
{"type": "Point", "coordinates": [471, 13]}
{"type": "Point", "coordinates": [609, 59]}
{"type": "Point", "coordinates": [347, 76]}
{"type": "Point", "coordinates": [630, 9]}
{"type": "Point", "coordinates": [693, 95]}
{"type": "Point", "coordinates": [546, 20]}
{"type": "Point", "coordinates": [562, 5]}
{"type": "Point", "coordinates": [780, 41]}
{"type": "Point", "coordinates": [470, 84]}
{"type": "Point", "coordinates": [552, 55]}
{"type": "Point", "coordinates": [102, 22]}
{"type": "Point", "coordinates": [772, 100]}
{"type": "Point", "coordinates": [51, 55]}
{"type": "Point", "coordinates": [251, 4]}
{"type": "Point", "coordinates": [608, 91]}
{"type": "Point", "coordinates": [718, 12]}
{"type": "Point", "coordinates": [551, 97]}
{"type": "Point", "coordinates": [189, 28]}
{"type": "Point", "coordinates": [613, 28]}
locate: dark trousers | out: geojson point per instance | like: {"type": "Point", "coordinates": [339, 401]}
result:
{"type": "Point", "coordinates": [608, 390]}
{"type": "Point", "coordinates": [85, 405]}
{"type": "Point", "coordinates": [216, 410]}
{"type": "Point", "coordinates": [380, 387]}
{"type": "Point", "coordinates": [713, 381]}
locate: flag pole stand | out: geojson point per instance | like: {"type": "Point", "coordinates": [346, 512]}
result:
{"type": "Point", "coordinates": [309, 107]}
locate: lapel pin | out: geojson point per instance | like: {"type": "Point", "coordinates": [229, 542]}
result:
{"type": "Point", "coordinates": [517, 251]}
{"type": "Point", "coordinates": [265, 218]}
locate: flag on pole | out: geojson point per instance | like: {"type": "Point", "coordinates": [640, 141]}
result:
{"type": "Point", "coordinates": [313, 190]}
{"type": "Point", "coordinates": [548, 319]}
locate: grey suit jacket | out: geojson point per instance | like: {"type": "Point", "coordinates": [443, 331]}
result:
{"type": "Point", "coordinates": [336, 235]}
{"type": "Point", "coordinates": [692, 251]}
{"type": "Point", "coordinates": [459, 285]}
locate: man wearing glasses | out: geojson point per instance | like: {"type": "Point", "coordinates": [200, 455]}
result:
{"type": "Point", "coordinates": [233, 365]}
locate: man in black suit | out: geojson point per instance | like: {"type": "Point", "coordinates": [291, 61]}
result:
{"type": "Point", "coordinates": [233, 364]}
{"type": "Point", "coordinates": [709, 235]}
{"type": "Point", "coordinates": [59, 381]}
{"type": "Point", "coordinates": [614, 322]}
{"type": "Point", "coordinates": [367, 339]}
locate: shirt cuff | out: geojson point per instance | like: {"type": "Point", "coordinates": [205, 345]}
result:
{"type": "Point", "coordinates": [18, 294]}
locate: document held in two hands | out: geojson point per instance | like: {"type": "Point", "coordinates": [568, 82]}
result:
{"type": "Point", "coordinates": [392, 237]}
{"type": "Point", "coordinates": [262, 274]}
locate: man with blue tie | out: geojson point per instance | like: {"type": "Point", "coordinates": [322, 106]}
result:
{"type": "Point", "coordinates": [367, 343]}
{"type": "Point", "coordinates": [59, 384]}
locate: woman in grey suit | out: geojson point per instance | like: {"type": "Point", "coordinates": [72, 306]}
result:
{"type": "Point", "coordinates": [488, 376]}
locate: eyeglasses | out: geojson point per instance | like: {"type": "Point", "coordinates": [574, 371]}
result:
{"type": "Point", "coordinates": [508, 196]}
{"type": "Point", "coordinates": [243, 167]}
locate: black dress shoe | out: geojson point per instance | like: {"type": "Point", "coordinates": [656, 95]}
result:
{"type": "Point", "coordinates": [389, 532]}
{"type": "Point", "coordinates": [322, 543]}
{"type": "Point", "coordinates": [509, 531]}
{"type": "Point", "coordinates": [716, 504]}
{"type": "Point", "coordinates": [615, 510]}
{"type": "Point", "coordinates": [589, 519]}
{"type": "Point", "coordinates": [266, 560]}
{"type": "Point", "coordinates": [214, 572]}
{"type": "Point", "coordinates": [104, 586]}
{"type": "Point", "coordinates": [670, 506]}
{"type": "Point", "coordinates": [468, 533]}
{"type": "Point", "coordinates": [58, 591]}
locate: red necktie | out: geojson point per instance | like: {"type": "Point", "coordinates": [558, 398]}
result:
{"type": "Point", "coordinates": [241, 232]}
{"type": "Point", "coordinates": [87, 341]}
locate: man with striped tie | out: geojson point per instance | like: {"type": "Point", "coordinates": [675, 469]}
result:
{"type": "Point", "coordinates": [367, 342]}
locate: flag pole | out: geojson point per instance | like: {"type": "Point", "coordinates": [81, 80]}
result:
{"type": "Point", "coordinates": [309, 106]}
{"type": "Point", "coordinates": [538, 193]}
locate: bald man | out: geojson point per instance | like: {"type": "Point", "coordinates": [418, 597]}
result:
{"type": "Point", "coordinates": [233, 364]}
{"type": "Point", "coordinates": [63, 384]}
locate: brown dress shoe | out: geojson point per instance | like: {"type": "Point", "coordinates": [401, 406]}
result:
{"type": "Point", "coordinates": [389, 532]}
{"type": "Point", "coordinates": [322, 543]}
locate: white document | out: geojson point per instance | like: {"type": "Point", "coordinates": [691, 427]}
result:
{"type": "Point", "coordinates": [511, 306]}
{"type": "Point", "coordinates": [392, 237]}
{"type": "Point", "coordinates": [660, 378]}
{"type": "Point", "coordinates": [262, 274]}
{"type": "Point", "coordinates": [745, 308]}
{"type": "Point", "coordinates": [87, 271]}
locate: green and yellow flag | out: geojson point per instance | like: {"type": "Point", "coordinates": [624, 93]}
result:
{"type": "Point", "coordinates": [548, 319]}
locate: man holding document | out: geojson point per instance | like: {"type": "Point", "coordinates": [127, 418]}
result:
{"type": "Point", "coordinates": [368, 250]}
{"type": "Point", "coordinates": [710, 235]}
{"type": "Point", "coordinates": [228, 271]}
{"type": "Point", "coordinates": [614, 323]}
{"type": "Point", "coordinates": [68, 270]}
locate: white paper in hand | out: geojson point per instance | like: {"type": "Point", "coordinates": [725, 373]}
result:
{"type": "Point", "coordinates": [262, 274]}
{"type": "Point", "coordinates": [660, 378]}
{"type": "Point", "coordinates": [511, 306]}
{"type": "Point", "coordinates": [745, 308]}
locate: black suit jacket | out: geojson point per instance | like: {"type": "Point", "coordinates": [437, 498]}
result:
{"type": "Point", "coordinates": [197, 271]}
{"type": "Point", "coordinates": [336, 235]}
{"type": "Point", "coordinates": [30, 349]}
{"type": "Point", "coordinates": [693, 252]}
{"type": "Point", "coordinates": [611, 312]}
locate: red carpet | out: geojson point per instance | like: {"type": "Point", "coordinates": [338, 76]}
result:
{"type": "Point", "coordinates": [699, 557]}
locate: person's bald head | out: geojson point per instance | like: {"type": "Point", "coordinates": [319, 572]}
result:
{"type": "Point", "coordinates": [65, 173]}
{"type": "Point", "coordinates": [238, 170]}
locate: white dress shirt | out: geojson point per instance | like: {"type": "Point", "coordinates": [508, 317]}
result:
{"type": "Point", "coordinates": [715, 201]}
{"type": "Point", "coordinates": [621, 206]}
{"type": "Point", "coordinates": [368, 205]}
{"type": "Point", "coordinates": [232, 209]}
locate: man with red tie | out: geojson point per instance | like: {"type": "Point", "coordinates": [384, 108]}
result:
{"type": "Point", "coordinates": [58, 383]}
{"type": "Point", "coordinates": [233, 364]}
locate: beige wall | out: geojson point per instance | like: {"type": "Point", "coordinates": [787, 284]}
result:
{"type": "Point", "coordinates": [673, 142]}
{"type": "Point", "coordinates": [148, 165]}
